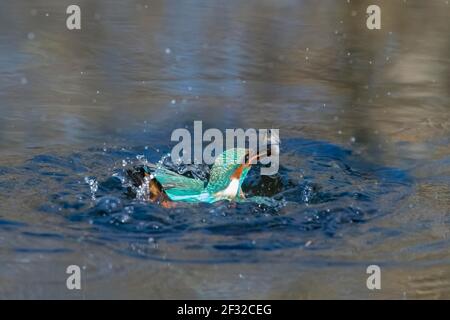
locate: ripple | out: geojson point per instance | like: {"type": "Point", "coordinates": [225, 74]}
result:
{"type": "Point", "coordinates": [319, 190]}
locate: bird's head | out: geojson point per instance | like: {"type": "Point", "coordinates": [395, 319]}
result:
{"type": "Point", "coordinates": [229, 171]}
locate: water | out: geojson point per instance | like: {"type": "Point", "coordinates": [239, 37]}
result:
{"type": "Point", "coordinates": [364, 122]}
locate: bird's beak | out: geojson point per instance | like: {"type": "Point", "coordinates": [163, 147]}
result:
{"type": "Point", "coordinates": [255, 157]}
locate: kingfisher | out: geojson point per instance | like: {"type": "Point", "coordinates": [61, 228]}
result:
{"type": "Point", "coordinates": [225, 183]}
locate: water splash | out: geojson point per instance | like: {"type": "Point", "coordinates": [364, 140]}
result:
{"type": "Point", "coordinates": [93, 186]}
{"type": "Point", "coordinates": [320, 188]}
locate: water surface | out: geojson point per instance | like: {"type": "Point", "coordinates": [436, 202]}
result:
{"type": "Point", "coordinates": [364, 174]}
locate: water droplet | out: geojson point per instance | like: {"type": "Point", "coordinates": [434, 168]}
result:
{"type": "Point", "coordinates": [93, 185]}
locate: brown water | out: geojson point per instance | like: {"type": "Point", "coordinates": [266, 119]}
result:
{"type": "Point", "coordinates": [364, 118]}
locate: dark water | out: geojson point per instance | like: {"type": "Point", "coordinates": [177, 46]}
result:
{"type": "Point", "coordinates": [364, 174]}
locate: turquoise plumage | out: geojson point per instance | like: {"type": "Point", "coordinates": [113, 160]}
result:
{"type": "Point", "coordinates": [219, 187]}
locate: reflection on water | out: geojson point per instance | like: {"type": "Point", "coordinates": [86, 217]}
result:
{"type": "Point", "coordinates": [363, 116]}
